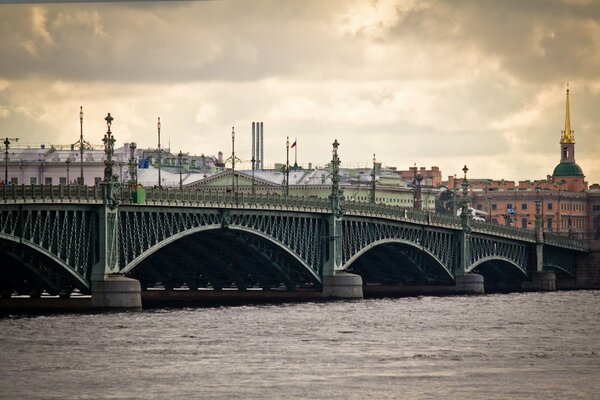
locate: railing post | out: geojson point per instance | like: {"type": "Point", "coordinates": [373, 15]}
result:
{"type": "Point", "coordinates": [336, 282]}
{"type": "Point", "coordinates": [109, 289]}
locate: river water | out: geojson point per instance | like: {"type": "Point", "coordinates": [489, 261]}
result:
{"type": "Point", "coordinates": [510, 346]}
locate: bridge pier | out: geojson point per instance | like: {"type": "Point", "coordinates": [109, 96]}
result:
{"type": "Point", "coordinates": [542, 281]}
{"type": "Point", "coordinates": [343, 285]}
{"type": "Point", "coordinates": [469, 284]}
{"type": "Point", "coordinates": [117, 292]}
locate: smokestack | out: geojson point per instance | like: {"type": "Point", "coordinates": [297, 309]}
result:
{"type": "Point", "coordinates": [253, 148]}
{"type": "Point", "coordinates": [262, 147]}
{"type": "Point", "coordinates": [257, 146]}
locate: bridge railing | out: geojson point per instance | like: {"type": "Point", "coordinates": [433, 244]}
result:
{"type": "Point", "coordinates": [11, 194]}
{"type": "Point", "coordinates": [161, 196]}
{"type": "Point", "coordinates": [553, 239]}
{"type": "Point", "coordinates": [401, 213]}
{"type": "Point", "coordinates": [501, 230]}
{"type": "Point", "coordinates": [50, 193]}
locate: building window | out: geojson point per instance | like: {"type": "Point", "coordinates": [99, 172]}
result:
{"type": "Point", "coordinates": [494, 206]}
{"type": "Point", "coordinates": [33, 180]}
{"type": "Point", "coordinates": [62, 180]}
{"type": "Point", "coordinates": [524, 223]}
{"type": "Point", "coordinates": [509, 206]}
{"type": "Point", "coordinates": [97, 180]}
{"type": "Point", "coordinates": [596, 207]}
{"type": "Point", "coordinates": [48, 180]}
{"type": "Point", "coordinates": [549, 225]}
{"type": "Point", "coordinates": [523, 206]}
{"type": "Point", "coordinates": [549, 206]}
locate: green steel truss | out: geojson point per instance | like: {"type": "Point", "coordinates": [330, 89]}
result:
{"type": "Point", "coordinates": [53, 234]}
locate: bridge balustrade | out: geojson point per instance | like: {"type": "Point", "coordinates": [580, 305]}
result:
{"type": "Point", "coordinates": [565, 241]}
{"type": "Point", "coordinates": [192, 197]}
{"type": "Point", "coordinates": [501, 230]}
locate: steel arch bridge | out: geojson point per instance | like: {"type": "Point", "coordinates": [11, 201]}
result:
{"type": "Point", "coordinates": [60, 239]}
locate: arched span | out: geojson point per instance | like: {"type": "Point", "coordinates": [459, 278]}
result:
{"type": "Point", "coordinates": [51, 256]}
{"type": "Point", "coordinates": [136, 261]}
{"type": "Point", "coordinates": [497, 258]}
{"type": "Point", "coordinates": [560, 269]}
{"type": "Point", "coordinates": [398, 241]}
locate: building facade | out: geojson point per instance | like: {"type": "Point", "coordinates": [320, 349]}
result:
{"type": "Point", "coordinates": [565, 203]}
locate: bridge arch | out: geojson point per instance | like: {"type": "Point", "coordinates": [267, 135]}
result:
{"type": "Point", "coordinates": [500, 274]}
{"type": "Point", "coordinates": [174, 238]}
{"type": "Point", "coordinates": [399, 241]}
{"type": "Point", "coordinates": [496, 259]}
{"type": "Point", "coordinates": [57, 261]}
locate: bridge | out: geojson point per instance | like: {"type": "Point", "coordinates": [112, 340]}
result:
{"type": "Point", "coordinates": [107, 242]}
{"type": "Point", "coordinates": [62, 239]}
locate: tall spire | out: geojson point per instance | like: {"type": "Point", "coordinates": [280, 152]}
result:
{"type": "Point", "coordinates": [567, 134]}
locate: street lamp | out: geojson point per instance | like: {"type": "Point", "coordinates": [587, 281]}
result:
{"type": "Point", "coordinates": [159, 153]}
{"type": "Point", "coordinates": [373, 182]}
{"type": "Point", "coordinates": [68, 162]}
{"type": "Point", "coordinates": [81, 144]}
{"type": "Point", "coordinates": [6, 147]}
{"type": "Point", "coordinates": [180, 157]}
{"type": "Point", "coordinates": [538, 214]}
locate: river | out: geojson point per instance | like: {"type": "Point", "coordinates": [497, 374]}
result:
{"type": "Point", "coordinates": [509, 346]}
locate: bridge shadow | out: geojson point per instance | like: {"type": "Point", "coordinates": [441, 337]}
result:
{"type": "Point", "coordinates": [222, 259]}
{"type": "Point", "coordinates": [399, 263]}
{"type": "Point", "coordinates": [501, 276]}
{"type": "Point", "coordinates": [27, 271]}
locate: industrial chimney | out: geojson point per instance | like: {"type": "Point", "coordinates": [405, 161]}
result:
{"type": "Point", "coordinates": [257, 145]}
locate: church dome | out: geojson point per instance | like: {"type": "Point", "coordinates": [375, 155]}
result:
{"type": "Point", "coordinates": [567, 169]}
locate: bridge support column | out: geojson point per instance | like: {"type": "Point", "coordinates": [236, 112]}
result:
{"type": "Point", "coordinates": [543, 281]}
{"type": "Point", "coordinates": [336, 282]}
{"type": "Point", "coordinates": [110, 290]}
{"type": "Point", "coordinates": [116, 292]}
{"type": "Point", "coordinates": [343, 286]}
{"type": "Point", "coordinates": [469, 284]}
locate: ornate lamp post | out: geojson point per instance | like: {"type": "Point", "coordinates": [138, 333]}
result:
{"type": "Point", "coordinates": [159, 152]}
{"type": "Point", "coordinates": [180, 157]}
{"type": "Point", "coordinates": [464, 213]}
{"type": "Point", "coordinates": [417, 201]}
{"type": "Point", "coordinates": [132, 164]}
{"type": "Point", "coordinates": [68, 162]}
{"type": "Point", "coordinates": [81, 145]}
{"type": "Point", "coordinates": [287, 166]}
{"type": "Point", "coordinates": [6, 147]}
{"type": "Point", "coordinates": [109, 149]}
{"type": "Point", "coordinates": [336, 196]}
{"type": "Point", "coordinates": [373, 182]}
{"type": "Point", "coordinates": [538, 214]}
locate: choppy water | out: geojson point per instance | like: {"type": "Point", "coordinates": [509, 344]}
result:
{"type": "Point", "coordinates": [517, 346]}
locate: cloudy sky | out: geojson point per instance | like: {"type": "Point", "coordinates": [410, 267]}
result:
{"type": "Point", "coordinates": [430, 82]}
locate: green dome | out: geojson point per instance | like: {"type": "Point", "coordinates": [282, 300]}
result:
{"type": "Point", "coordinates": [567, 169]}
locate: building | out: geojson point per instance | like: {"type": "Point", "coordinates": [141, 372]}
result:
{"type": "Point", "coordinates": [431, 177]}
{"type": "Point", "coordinates": [316, 183]}
{"type": "Point", "coordinates": [566, 205]}
{"type": "Point", "coordinates": [59, 165]}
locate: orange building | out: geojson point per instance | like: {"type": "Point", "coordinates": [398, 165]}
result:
{"type": "Point", "coordinates": [431, 177]}
{"type": "Point", "coordinates": [566, 205]}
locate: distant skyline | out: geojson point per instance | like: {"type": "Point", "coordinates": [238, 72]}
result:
{"type": "Point", "coordinates": [432, 82]}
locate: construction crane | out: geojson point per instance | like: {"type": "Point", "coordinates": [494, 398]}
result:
{"type": "Point", "coordinates": [7, 142]}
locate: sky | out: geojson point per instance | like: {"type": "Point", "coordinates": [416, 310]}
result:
{"type": "Point", "coordinates": [432, 82]}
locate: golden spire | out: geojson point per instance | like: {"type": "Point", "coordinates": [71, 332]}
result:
{"type": "Point", "coordinates": [567, 134]}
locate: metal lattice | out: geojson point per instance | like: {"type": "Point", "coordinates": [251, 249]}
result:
{"type": "Point", "coordinates": [482, 248]}
{"type": "Point", "coordinates": [360, 233]}
{"type": "Point", "coordinates": [65, 234]}
{"type": "Point", "coordinates": [559, 260]}
{"type": "Point", "coordinates": [141, 230]}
